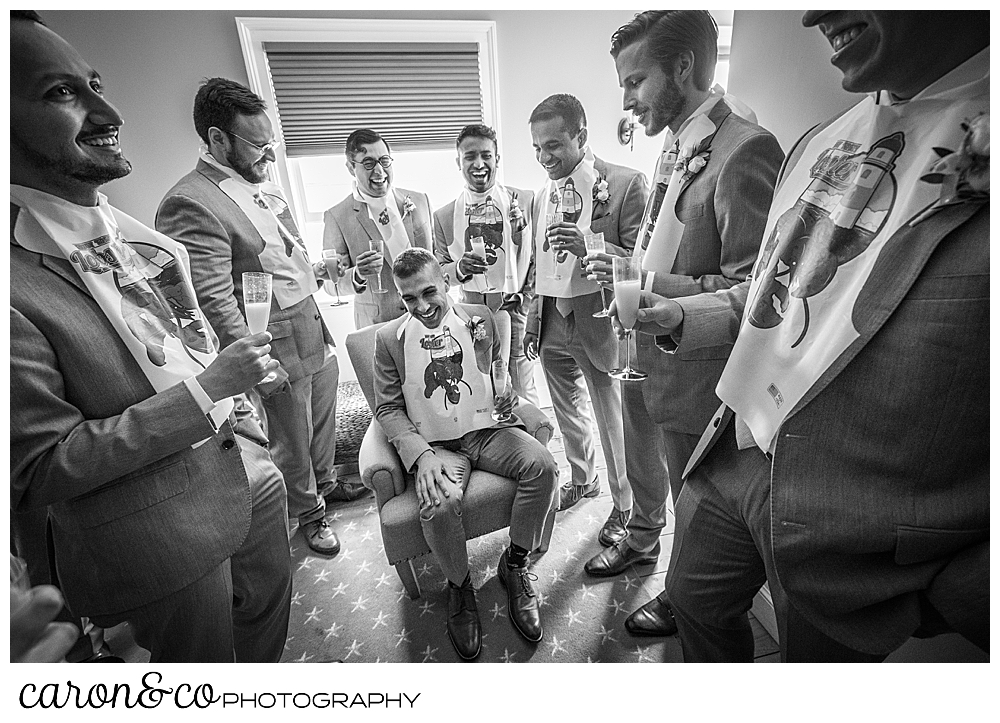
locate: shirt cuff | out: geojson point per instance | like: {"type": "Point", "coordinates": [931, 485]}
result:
{"type": "Point", "coordinates": [201, 398]}
{"type": "Point", "coordinates": [360, 283]}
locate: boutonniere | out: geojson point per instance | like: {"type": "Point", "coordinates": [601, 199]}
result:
{"type": "Point", "coordinates": [516, 214]}
{"type": "Point", "coordinates": [964, 175]}
{"type": "Point", "coordinates": [477, 326]}
{"type": "Point", "coordinates": [690, 163]}
{"type": "Point", "coordinates": [601, 193]}
{"type": "Point", "coordinates": [408, 206]}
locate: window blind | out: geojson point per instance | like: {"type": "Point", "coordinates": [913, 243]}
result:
{"type": "Point", "coordinates": [417, 95]}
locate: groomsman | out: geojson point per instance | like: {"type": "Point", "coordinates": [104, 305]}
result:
{"type": "Point", "coordinates": [701, 233]}
{"type": "Point", "coordinates": [583, 195]}
{"type": "Point", "coordinates": [232, 221]}
{"type": "Point", "coordinates": [375, 211]}
{"type": "Point", "coordinates": [498, 216]}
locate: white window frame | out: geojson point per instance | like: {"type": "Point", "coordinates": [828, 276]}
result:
{"type": "Point", "coordinates": [254, 32]}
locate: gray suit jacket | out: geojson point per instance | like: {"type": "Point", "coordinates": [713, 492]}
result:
{"type": "Point", "coordinates": [347, 229]}
{"type": "Point", "coordinates": [880, 479]}
{"type": "Point", "coordinates": [390, 374]}
{"type": "Point", "coordinates": [724, 210]}
{"type": "Point", "coordinates": [223, 244]}
{"type": "Point", "coordinates": [444, 236]}
{"type": "Point", "coordinates": [619, 221]}
{"type": "Point", "coordinates": [136, 513]}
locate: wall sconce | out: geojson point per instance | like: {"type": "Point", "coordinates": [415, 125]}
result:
{"type": "Point", "coordinates": [626, 130]}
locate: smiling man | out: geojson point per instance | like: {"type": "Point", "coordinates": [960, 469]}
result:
{"type": "Point", "coordinates": [128, 429]}
{"type": "Point", "coordinates": [849, 466]}
{"type": "Point", "coordinates": [499, 216]}
{"type": "Point", "coordinates": [375, 211]}
{"type": "Point", "coordinates": [434, 399]}
{"type": "Point", "coordinates": [583, 195]}
{"type": "Point", "coordinates": [700, 233]}
{"type": "Point", "coordinates": [233, 221]}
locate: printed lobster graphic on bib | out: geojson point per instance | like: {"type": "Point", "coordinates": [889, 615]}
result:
{"type": "Point", "coordinates": [445, 369]}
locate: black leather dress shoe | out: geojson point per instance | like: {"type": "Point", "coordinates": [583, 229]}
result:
{"type": "Point", "coordinates": [522, 605]}
{"type": "Point", "coordinates": [614, 530]}
{"type": "Point", "coordinates": [464, 630]}
{"type": "Point", "coordinates": [654, 619]}
{"type": "Point", "coordinates": [615, 559]}
{"type": "Point", "coordinates": [343, 491]}
{"type": "Point", "coordinates": [570, 494]}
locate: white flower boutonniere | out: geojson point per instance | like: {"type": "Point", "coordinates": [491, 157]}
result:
{"type": "Point", "coordinates": [690, 164]}
{"type": "Point", "coordinates": [408, 206]}
{"type": "Point", "coordinates": [477, 326]}
{"type": "Point", "coordinates": [516, 214]}
{"type": "Point", "coordinates": [601, 192]}
{"type": "Point", "coordinates": [964, 175]}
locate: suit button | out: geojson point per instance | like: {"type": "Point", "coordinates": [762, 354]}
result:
{"type": "Point", "coordinates": [318, 316]}
{"type": "Point", "coordinates": [228, 444]}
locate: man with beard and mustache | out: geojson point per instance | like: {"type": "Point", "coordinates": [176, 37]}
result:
{"type": "Point", "coordinates": [849, 465]}
{"type": "Point", "coordinates": [700, 233]}
{"type": "Point", "coordinates": [164, 508]}
{"type": "Point", "coordinates": [232, 221]}
{"type": "Point", "coordinates": [500, 214]}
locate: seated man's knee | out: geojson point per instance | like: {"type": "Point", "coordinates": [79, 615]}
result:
{"type": "Point", "coordinates": [449, 506]}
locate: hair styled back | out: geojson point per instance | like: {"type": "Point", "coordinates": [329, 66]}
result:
{"type": "Point", "coordinates": [477, 130]}
{"type": "Point", "coordinates": [219, 101]}
{"type": "Point", "coordinates": [362, 137]}
{"type": "Point", "coordinates": [671, 32]}
{"type": "Point", "coordinates": [564, 106]}
{"type": "Point", "coordinates": [412, 261]}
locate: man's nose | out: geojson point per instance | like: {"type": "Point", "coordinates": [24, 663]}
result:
{"type": "Point", "coordinates": [269, 155]}
{"type": "Point", "coordinates": [101, 112]}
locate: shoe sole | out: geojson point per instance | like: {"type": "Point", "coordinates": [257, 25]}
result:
{"type": "Point", "coordinates": [513, 622]}
{"type": "Point", "coordinates": [641, 633]}
{"type": "Point", "coordinates": [459, 652]}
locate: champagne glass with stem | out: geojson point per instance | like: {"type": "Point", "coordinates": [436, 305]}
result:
{"type": "Point", "coordinates": [550, 220]}
{"type": "Point", "coordinates": [501, 385]}
{"type": "Point", "coordinates": [628, 279]}
{"type": "Point", "coordinates": [331, 259]}
{"type": "Point", "coordinates": [595, 245]}
{"type": "Point", "coordinates": [378, 245]}
{"type": "Point", "coordinates": [479, 249]}
{"type": "Point", "coordinates": [257, 304]}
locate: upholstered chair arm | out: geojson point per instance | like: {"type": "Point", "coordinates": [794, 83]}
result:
{"type": "Point", "coordinates": [381, 469]}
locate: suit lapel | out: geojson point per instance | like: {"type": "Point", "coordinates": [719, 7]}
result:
{"type": "Point", "coordinates": [899, 264]}
{"type": "Point", "coordinates": [361, 213]}
{"type": "Point", "coordinates": [718, 116]}
{"type": "Point", "coordinates": [63, 268]}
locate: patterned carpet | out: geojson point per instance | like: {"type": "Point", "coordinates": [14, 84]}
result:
{"type": "Point", "coordinates": [352, 608]}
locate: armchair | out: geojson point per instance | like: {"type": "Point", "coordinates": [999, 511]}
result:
{"type": "Point", "coordinates": [488, 498]}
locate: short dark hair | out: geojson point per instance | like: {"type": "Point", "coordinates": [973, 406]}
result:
{"type": "Point", "coordinates": [218, 102]}
{"type": "Point", "coordinates": [411, 261]}
{"type": "Point", "coordinates": [564, 106]}
{"type": "Point", "coordinates": [477, 130]}
{"type": "Point", "coordinates": [29, 15]}
{"type": "Point", "coordinates": [670, 33]}
{"type": "Point", "coordinates": [362, 137]}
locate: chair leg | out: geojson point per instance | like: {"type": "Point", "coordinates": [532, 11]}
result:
{"type": "Point", "coordinates": [409, 578]}
{"type": "Point", "coordinates": [550, 523]}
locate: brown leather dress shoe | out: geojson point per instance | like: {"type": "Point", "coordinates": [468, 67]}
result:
{"type": "Point", "coordinates": [343, 491]}
{"type": "Point", "coordinates": [522, 605]}
{"type": "Point", "coordinates": [654, 619]}
{"type": "Point", "coordinates": [463, 626]}
{"type": "Point", "coordinates": [570, 494]}
{"type": "Point", "coordinates": [615, 530]}
{"type": "Point", "coordinates": [616, 559]}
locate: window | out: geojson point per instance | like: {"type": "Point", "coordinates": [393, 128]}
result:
{"type": "Point", "coordinates": [291, 61]}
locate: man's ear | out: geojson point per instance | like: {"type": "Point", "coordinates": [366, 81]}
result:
{"type": "Point", "coordinates": [583, 137]}
{"type": "Point", "coordinates": [684, 67]}
{"type": "Point", "coordinates": [216, 139]}
{"type": "Point", "coordinates": [447, 279]}
{"type": "Point", "coordinates": [349, 166]}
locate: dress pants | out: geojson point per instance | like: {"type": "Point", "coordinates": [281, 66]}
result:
{"type": "Point", "coordinates": [237, 612]}
{"type": "Point", "coordinates": [522, 369]}
{"type": "Point", "coordinates": [655, 458]}
{"type": "Point", "coordinates": [721, 557]}
{"type": "Point", "coordinates": [302, 428]}
{"type": "Point", "coordinates": [574, 382]}
{"type": "Point", "coordinates": [509, 452]}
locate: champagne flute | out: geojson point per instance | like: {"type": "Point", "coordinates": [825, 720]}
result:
{"type": "Point", "coordinates": [550, 220]}
{"type": "Point", "coordinates": [628, 281]}
{"type": "Point", "coordinates": [257, 304]}
{"type": "Point", "coordinates": [501, 385]}
{"type": "Point", "coordinates": [479, 249]}
{"type": "Point", "coordinates": [595, 245]}
{"type": "Point", "coordinates": [331, 259]}
{"type": "Point", "coordinates": [378, 245]}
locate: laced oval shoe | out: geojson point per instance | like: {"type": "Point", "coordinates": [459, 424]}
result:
{"type": "Point", "coordinates": [615, 529]}
{"type": "Point", "coordinates": [654, 619]}
{"type": "Point", "coordinates": [464, 629]}
{"type": "Point", "coordinates": [570, 494]}
{"type": "Point", "coordinates": [616, 559]}
{"type": "Point", "coordinates": [321, 538]}
{"type": "Point", "coordinates": [522, 605]}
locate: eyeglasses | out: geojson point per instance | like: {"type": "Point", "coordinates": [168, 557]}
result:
{"type": "Point", "coordinates": [269, 146]}
{"type": "Point", "coordinates": [369, 163]}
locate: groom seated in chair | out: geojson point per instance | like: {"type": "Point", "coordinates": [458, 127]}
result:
{"type": "Point", "coordinates": [435, 400]}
